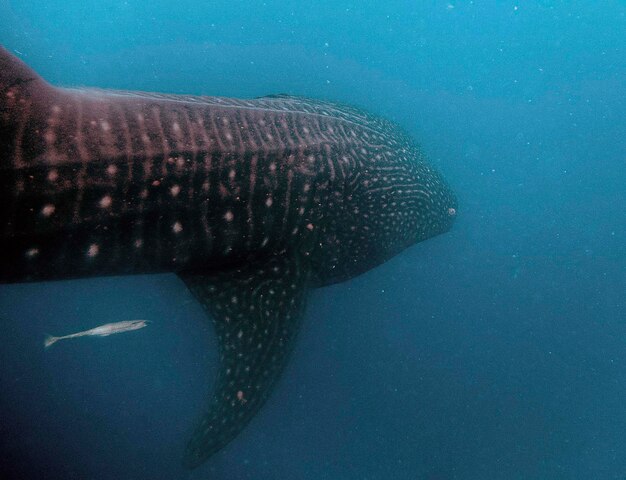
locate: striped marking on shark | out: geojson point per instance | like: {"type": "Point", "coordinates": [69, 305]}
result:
{"type": "Point", "coordinates": [251, 202]}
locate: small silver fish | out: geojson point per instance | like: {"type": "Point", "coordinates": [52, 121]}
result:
{"type": "Point", "coordinates": [101, 331]}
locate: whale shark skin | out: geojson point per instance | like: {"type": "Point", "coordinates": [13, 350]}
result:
{"type": "Point", "coordinates": [250, 202]}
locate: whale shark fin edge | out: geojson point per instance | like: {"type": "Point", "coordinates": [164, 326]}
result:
{"type": "Point", "coordinates": [256, 311]}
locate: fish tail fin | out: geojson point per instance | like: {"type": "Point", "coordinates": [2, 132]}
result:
{"type": "Point", "coordinates": [50, 340]}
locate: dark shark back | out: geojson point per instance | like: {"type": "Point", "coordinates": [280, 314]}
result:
{"type": "Point", "coordinates": [100, 182]}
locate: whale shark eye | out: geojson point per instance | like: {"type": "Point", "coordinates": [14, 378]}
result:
{"type": "Point", "coordinates": [452, 211]}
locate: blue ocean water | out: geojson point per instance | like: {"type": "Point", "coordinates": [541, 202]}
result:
{"type": "Point", "coordinates": [495, 351]}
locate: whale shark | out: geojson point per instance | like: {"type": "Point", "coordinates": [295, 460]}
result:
{"type": "Point", "coordinates": [251, 202]}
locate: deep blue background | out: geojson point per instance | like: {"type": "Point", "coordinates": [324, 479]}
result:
{"type": "Point", "coordinates": [495, 351]}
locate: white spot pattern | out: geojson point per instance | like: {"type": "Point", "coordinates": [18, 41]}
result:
{"type": "Point", "coordinates": [93, 250]}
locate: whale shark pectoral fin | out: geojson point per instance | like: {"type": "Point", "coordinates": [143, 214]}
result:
{"type": "Point", "coordinates": [256, 311]}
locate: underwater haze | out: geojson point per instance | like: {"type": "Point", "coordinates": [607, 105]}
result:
{"type": "Point", "coordinates": [494, 351]}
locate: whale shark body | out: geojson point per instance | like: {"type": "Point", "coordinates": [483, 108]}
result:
{"type": "Point", "coordinates": [250, 202]}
